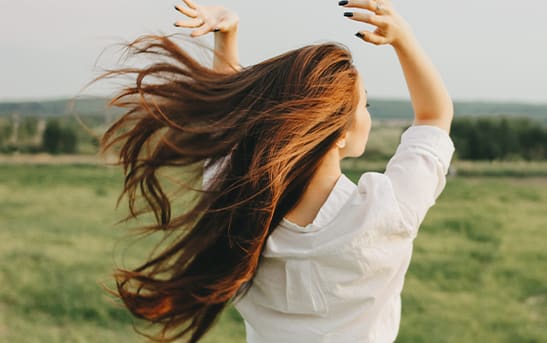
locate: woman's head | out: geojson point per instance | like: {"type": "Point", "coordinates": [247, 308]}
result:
{"type": "Point", "coordinates": [275, 120]}
{"type": "Point", "coordinates": [319, 90]}
{"type": "Point", "coordinates": [305, 98]}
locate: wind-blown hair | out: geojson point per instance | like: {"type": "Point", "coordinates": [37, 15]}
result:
{"type": "Point", "coordinates": [274, 122]}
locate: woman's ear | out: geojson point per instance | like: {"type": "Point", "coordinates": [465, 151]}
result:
{"type": "Point", "coordinates": [341, 142]}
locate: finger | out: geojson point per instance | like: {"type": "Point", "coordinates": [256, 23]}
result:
{"type": "Point", "coordinates": [202, 30]}
{"type": "Point", "coordinates": [187, 11]}
{"type": "Point", "coordinates": [190, 4]}
{"type": "Point", "coordinates": [371, 5]}
{"type": "Point", "coordinates": [364, 4]}
{"type": "Point", "coordinates": [371, 37]}
{"type": "Point", "coordinates": [191, 23]}
{"type": "Point", "coordinates": [368, 18]}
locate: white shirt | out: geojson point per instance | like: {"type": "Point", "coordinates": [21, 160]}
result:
{"type": "Point", "coordinates": [339, 279]}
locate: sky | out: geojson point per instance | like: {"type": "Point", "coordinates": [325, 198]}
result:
{"type": "Point", "coordinates": [488, 50]}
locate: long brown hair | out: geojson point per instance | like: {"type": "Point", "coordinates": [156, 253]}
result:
{"type": "Point", "coordinates": [274, 121]}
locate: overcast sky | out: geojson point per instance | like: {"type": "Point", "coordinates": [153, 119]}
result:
{"type": "Point", "coordinates": [485, 50]}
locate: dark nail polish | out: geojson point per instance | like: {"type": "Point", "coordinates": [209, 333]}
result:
{"type": "Point", "coordinates": [175, 7]}
{"type": "Point", "coordinates": [343, 3]}
{"type": "Point", "coordinates": [216, 30]}
{"type": "Point", "coordinates": [348, 14]}
{"type": "Point", "coordinates": [175, 24]}
{"type": "Point", "coordinates": [360, 35]}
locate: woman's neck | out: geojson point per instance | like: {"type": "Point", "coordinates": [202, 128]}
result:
{"type": "Point", "coordinates": [319, 188]}
{"type": "Point", "coordinates": [328, 172]}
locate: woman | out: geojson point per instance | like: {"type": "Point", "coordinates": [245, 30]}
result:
{"type": "Point", "coordinates": [303, 253]}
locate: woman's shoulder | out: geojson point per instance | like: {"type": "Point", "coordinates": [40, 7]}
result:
{"type": "Point", "coordinates": [352, 213]}
{"type": "Point", "coordinates": [371, 182]}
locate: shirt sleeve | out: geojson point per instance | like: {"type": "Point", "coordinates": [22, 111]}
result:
{"type": "Point", "coordinates": [417, 171]}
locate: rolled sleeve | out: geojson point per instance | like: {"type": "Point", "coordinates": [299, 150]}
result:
{"type": "Point", "coordinates": [418, 171]}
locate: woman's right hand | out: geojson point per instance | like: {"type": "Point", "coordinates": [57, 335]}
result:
{"type": "Point", "coordinates": [224, 22]}
{"type": "Point", "coordinates": [205, 19]}
{"type": "Point", "coordinates": [391, 28]}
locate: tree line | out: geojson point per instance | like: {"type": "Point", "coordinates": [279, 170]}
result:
{"type": "Point", "coordinates": [475, 138]}
{"type": "Point", "coordinates": [51, 135]}
{"type": "Point", "coordinates": [499, 138]}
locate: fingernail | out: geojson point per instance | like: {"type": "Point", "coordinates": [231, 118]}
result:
{"type": "Point", "coordinates": [348, 14]}
{"type": "Point", "coordinates": [175, 24]}
{"type": "Point", "coordinates": [360, 35]}
{"type": "Point", "coordinates": [343, 3]}
{"type": "Point", "coordinates": [175, 7]}
{"type": "Point", "coordinates": [216, 30]}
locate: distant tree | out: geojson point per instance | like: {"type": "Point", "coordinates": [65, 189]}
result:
{"type": "Point", "coordinates": [28, 127]}
{"type": "Point", "coordinates": [58, 139]}
{"type": "Point", "coordinates": [51, 141]}
{"type": "Point", "coordinates": [509, 139]}
{"type": "Point", "coordinates": [534, 141]}
{"type": "Point", "coordinates": [69, 141]}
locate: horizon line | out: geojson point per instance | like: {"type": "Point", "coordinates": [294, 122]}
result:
{"type": "Point", "coordinates": [380, 98]}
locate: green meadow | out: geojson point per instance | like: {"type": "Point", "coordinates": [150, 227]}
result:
{"type": "Point", "coordinates": [478, 272]}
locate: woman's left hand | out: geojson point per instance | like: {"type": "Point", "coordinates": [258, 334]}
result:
{"type": "Point", "coordinates": [391, 28]}
{"type": "Point", "coordinates": [207, 18]}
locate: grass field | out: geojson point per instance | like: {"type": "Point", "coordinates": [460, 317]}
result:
{"type": "Point", "coordinates": [477, 273]}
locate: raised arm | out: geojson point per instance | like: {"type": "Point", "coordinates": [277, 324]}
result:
{"type": "Point", "coordinates": [223, 22]}
{"type": "Point", "coordinates": [430, 99]}
{"type": "Point", "coordinates": [417, 171]}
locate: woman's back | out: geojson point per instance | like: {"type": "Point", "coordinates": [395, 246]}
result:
{"type": "Point", "coordinates": [339, 278]}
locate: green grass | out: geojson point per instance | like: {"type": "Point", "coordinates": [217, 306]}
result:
{"type": "Point", "coordinates": [477, 272]}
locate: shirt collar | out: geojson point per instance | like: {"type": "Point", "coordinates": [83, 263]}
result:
{"type": "Point", "coordinates": [336, 199]}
